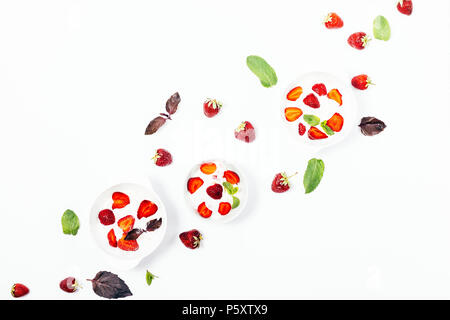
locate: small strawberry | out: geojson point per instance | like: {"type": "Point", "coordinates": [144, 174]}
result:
{"type": "Point", "coordinates": [215, 191]}
{"type": "Point", "coordinates": [358, 40]}
{"type": "Point", "coordinates": [312, 101]}
{"type": "Point", "coordinates": [191, 239]}
{"type": "Point", "coordinates": [224, 208]}
{"type": "Point", "coordinates": [127, 245]}
{"type": "Point", "coordinates": [316, 134]}
{"type": "Point", "coordinates": [294, 94]}
{"type": "Point", "coordinates": [193, 184]}
{"type": "Point", "coordinates": [120, 200]}
{"type": "Point", "coordinates": [281, 183]}
{"type": "Point", "coordinates": [291, 114]}
{"type": "Point", "coordinates": [335, 95]}
{"type": "Point", "coordinates": [19, 290]}
{"type": "Point", "coordinates": [231, 176]}
{"type": "Point", "coordinates": [204, 211]}
{"type": "Point", "coordinates": [69, 285]}
{"type": "Point", "coordinates": [208, 168]}
{"type": "Point", "coordinates": [320, 89]}
{"type": "Point", "coordinates": [112, 238]}
{"type": "Point", "coordinates": [336, 122]}
{"type": "Point", "coordinates": [405, 7]}
{"type": "Point", "coordinates": [106, 217]}
{"type": "Point", "coordinates": [361, 82]}
{"type": "Point", "coordinates": [126, 223]}
{"type": "Point", "coordinates": [146, 209]}
{"type": "Point", "coordinates": [162, 158]}
{"type": "Point", "coordinates": [301, 129]}
{"type": "Point", "coordinates": [333, 21]}
{"type": "Point", "coordinates": [211, 107]}
{"type": "Point", "coordinates": [245, 132]}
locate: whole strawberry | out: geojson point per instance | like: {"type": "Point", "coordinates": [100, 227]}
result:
{"type": "Point", "coordinates": [405, 7]}
{"type": "Point", "coordinates": [19, 290]}
{"type": "Point", "coordinates": [361, 82]}
{"type": "Point", "coordinates": [358, 40]}
{"type": "Point", "coordinates": [211, 107]}
{"type": "Point", "coordinates": [191, 239]}
{"type": "Point", "coordinates": [245, 132]}
{"type": "Point", "coordinates": [162, 158]}
{"type": "Point", "coordinates": [69, 285]}
{"type": "Point", "coordinates": [333, 21]}
{"type": "Point", "coordinates": [281, 183]}
{"type": "Point", "coordinates": [215, 191]}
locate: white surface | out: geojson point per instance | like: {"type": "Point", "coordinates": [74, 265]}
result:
{"type": "Point", "coordinates": [80, 80]}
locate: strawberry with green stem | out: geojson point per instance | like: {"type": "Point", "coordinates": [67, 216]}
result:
{"type": "Point", "coordinates": [361, 82]}
{"type": "Point", "coordinates": [162, 158]}
{"type": "Point", "coordinates": [281, 183]}
{"type": "Point", "coordinates": [191, 239]}
{"type": "Point", "coordinates": [358, 40]}
{"type": "Point", "coordinates": [211, 107]}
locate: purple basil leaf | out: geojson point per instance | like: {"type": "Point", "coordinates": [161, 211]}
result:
{"type": "Point", "coordinates": [134, 234]}
{"type": "Point", "coordinates": [154, 125]}
{"type": "Point", "coordinates": [109, 285]}
{"type": "Point", "coordinates": [172, 103]}
{"type": "Point", "coordinates": [153, 224]}
{"type": "Point", "coordinates": [371, 126]}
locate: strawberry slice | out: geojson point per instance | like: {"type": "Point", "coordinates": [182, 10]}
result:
{"type": "Point", "coordinates": [336, 122]}
{"type": "Point", "coordinates": [120, 200]}
{"type": "Point", "coordinates": [231, 176]}
{"type": "Point", "coordinates": [335, 95]}
{"type": "Point", "coordinates": [193, 184]}
{"type": "Point", "coordinates": [126, 223]}
{"type": "Point", "coordinates": [224, 208]}
{"type": "Point", "coordinates": [127, 245]}
{"type": "Point", "coordinates": [294, 94]}
{"type": "Point", "coordinates": [146, 209]}
{"type": "Point", "coordinates": [208, 168]}
{"type": "Point", "coordinates": [291, 114]}
{"type": "Point", "coordinates": [112, 238]}
{"type": "Point", "coordinates": [320, 89]}
{"type": "Point", "coordinates": [204, 211]}
{"type": "Point", "coordinates": [316, 134]}
{"type": "Point", "coordinates": [311, 101]}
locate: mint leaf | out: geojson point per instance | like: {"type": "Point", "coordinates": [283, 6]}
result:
{"type": "Point", "coordinates": [312, 120]}
{"type": "Point", "coordinates": [236, 203]}
{"type": "Point", "coordinates": [326, 128]}
{"type": "Point", "coordinates": [70, 222]}
{"type": "Point", "coordinates": [313, 174]}
{"type": "Point", "coordinates": [149, 277]}
{"type": "Point", "coordinates": [229, 187]}
{"type": "Point", "coordinates": [381, 28]}
{"type": "Point", "coordinates": [262, 70]}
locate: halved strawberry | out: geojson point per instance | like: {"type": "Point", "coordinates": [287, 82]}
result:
{"type": "Point", "coordinates": [112, 238]}
{"type": "Point", "coordinates": [335, 95]}
{"type": "Point", "coordinates": [120, 200]}
{"type": "Point", "coordinates": [231, 176]}
{"type": "Point", "coordinates": [291, 114]}
{"type": "Point", "coordinates": [336, 122]}
{"type": "Point", "coordinates": [126, 223]}
{"type": "Point", "coordinates": [127, 245]}
{"type": "Point", "coordinates": [316, 134]}
{"type": "Point", "coordinates": [301, 129]}
{"type": "Point", "coordinates": [204, 211]}
{"type": "Point", "coordinates": [193, 184]}
{"type": "Point", "coordinates": [320, 89]}
{"type": "Point", "coordinates": [312, 101]}
{"type": "Point", "coordinates": [208, 168]}
{"type": "Point", "coordinates": [146, 209]}
{"type": "Point", "coordinates": [294, 94]}
{"type": "Point", "coordinates": [224, 208]}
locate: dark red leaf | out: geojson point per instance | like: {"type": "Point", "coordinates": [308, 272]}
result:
{"type": "Point", "coordinates": [153, 224]}
{"type": "Point", "coordinates": [172, 103]}
{"type": "Point", "coordinates": [134, 234]}
{"type": "Point", "coordinates": [154, 125]}
{"type": "Point", "coordinates": [109, 285]}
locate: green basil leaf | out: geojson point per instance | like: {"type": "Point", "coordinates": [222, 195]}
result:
{"type": "Point", "coordinates": [149, 277]}
{"type": "Point", "coordinates": [312, 120]}
{"type": "Point", "coordinates": [381, 28]}
{"type": "Point", "coordinates": [236, 203]}
{"type": "Point", "coordinates": [326, 128]}
{"type": "Point", "coordinates": [70, 222]}
{"type": "Point", "coordinates": [228, 186]}
{"type": "Point", "coordinates": [262, 70]}
{"type": "Point", "coordinates": [313, 174]}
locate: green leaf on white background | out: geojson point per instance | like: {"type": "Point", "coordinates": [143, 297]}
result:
{"type": "Point", "coordinates": [381, 28]}
{"type": "Point", "coordinates": [70, 222]}
{"type": "Point", "coordinates": [313, 174]}
{"type": "Point", "coordinates": [262, 70]}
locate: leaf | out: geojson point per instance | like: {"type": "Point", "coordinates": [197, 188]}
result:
{"type": "Point", "coordinates": [313, 174]}
{"type": "Point", "coordinates": [326, 128]}
{"type": "Point", "coordinates": [236, 203]}
{"type": "Point", "coordinates": [371, 126]}
{"type": "Point", "coordinates": [70, 222]}
{"type": "Point", "coordinates": [153, 224]}
{"type": "Point", "coordinates": [312, 120]}
{"type": "Point", "coordinates": [229, 187]}
{"type": "Point", "coordinates": [381, 28]}
{"type": "Point", "coordinates": [154, 125]}
{"type": "Point", "coordinates": [149, 277]}
{"type": "Point", "coordinates": [172, 103]}
{"type": "Point", "coordinates": [134, 234]}
{"type": "Point", "coordinates": [109, 285]}
{"type": "Point", "coordinates": [262, 70]}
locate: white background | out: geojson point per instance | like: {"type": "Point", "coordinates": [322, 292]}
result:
{"type": "Point", "coordinates": [80, 80]}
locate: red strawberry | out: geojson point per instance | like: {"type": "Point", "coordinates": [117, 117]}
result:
{"type": "Point", "coordinates": [320, 89]}
{"type": "Point", "coordinates": [127, 245]}
{"type": "Point", "coordinates": [112, 238]}
{"type": "Point", "coordinates": [191, 239]}
{"type": "Point", "coordinates": [231, 176]}
{"type": "Point", "coordinates": [215, 191]}
{"type": "Point", "coordinates": [361, 82]}
{"type": "Point", "coordinates": [301, 129]}
{"type": "Point", "coordinates": [193, 184]}
{"type": "Point", "coordinates": [126, 223]}
{"type": "Point", "coordinates": [358, 40]}
{"type": "Point", "coordinates": [405, 7]}
{"type": "Point", "coordinates": [292, 113]}
{"type": "Point", "coordinates": [294, 94]}
{"type": "Point", "coordinates": [333, 21]}
{"type": "Point", "coordinates": [245, 132]}
{"type": "Point", "coordinates": [162, 158]}
{"type": "Point", "coordinates": [69, 285]}
{"type": "Point", "coordinates": [224, 208]}
{"type": "Point", "coordinates": [316, 134]}
{"type": "Point", "coordinates": [106, 217]}
{"type": "Point", "coordinates": [19, 290]}
{"type": "Point", "coordinates": [211, 107]}
{"type": "Point", "coordinates": [312, 101]}
{"type": "Point", "coordinates": [204, 211]}
{"type": "Point", "coordinates": [208, 168]}
{"type": "Point", "coordinates": [335, 95]}
{"type": "Point", "coordinates": [280, 183]}
{"type": "Point", "coordinates": [146, 209]}
{"type": "Point", "coordinates": [336, 122]}
{"type": "Point", "coordinates": [120, 200]}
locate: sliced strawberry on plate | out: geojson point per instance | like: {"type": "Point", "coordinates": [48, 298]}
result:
{"type": "Point", "coordinates": [336, 122]}
{"type": "Point", "coordinates": [245, 132]}
{"type": "Point", "coordinates": [126, 223]}
{"type": "Point", "coordinates": [127, 245]}
{"type": "Point", "coordinates": [316, 134]}
{"type": "Point", "coordinates": [301, 129]}
{"type": "Point", "coordinates": [231, 176]}
{"type": "Point", "coordinates": [146, 209]}
{"type": "Point", "coordinates": [292, 113]}
{"type": "Point", "coordinates": [112, 238]}
{"type": "Point", "coordinates": [335, 95]}
{"type": "Point", "coordinates": [208, 168]}
{"type": "Point", "coordinates": [294, 94]}
{"type": "Point", "coordinates": [120, 200]}
{"type": "Point", "coordinates": [224, 208]}
{"type": "Point", "coordinates": [106, 217]}
{"type": "Point", "coordinates": [311, 101]}
{"type": "Point", "coordinates": [193, 184]}
{"type": "Point", "coordinates": [320, 89]}
{"type": "Point", "coordinates": [215, 191]}
{"type": "Point", "coordinates": [204, 211]}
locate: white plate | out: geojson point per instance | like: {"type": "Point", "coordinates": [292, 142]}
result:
{"type": "Point", "coordinates": [148, 241]}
